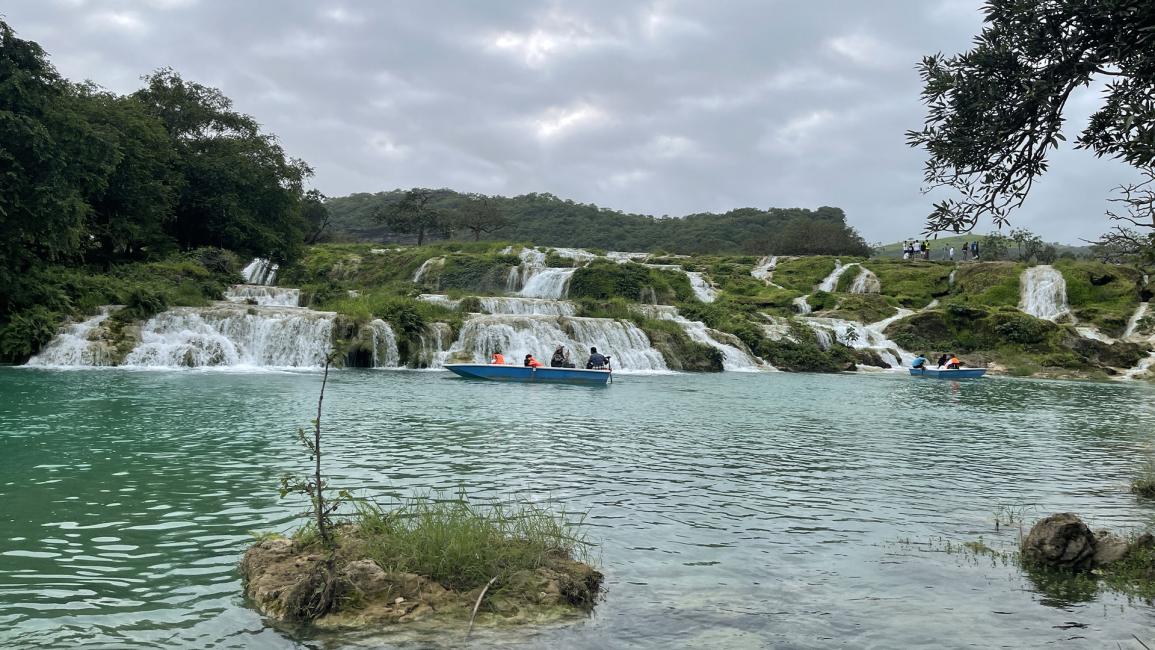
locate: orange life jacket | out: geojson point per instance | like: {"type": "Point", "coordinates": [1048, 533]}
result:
{"type": "Point", "coordinates": [498, 358]}
{"type": "Point", "coordinates": [534, 363]}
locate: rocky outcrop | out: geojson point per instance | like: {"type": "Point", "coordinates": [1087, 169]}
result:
{"type": "Point", "coordinates": [1063, 541]}
{"type": "Point", "coordinates": [292, 584]}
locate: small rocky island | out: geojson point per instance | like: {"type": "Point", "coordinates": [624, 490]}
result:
{"type": "Point", "coordinates": [443, 561]}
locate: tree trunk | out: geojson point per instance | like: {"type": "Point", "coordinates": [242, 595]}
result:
{"type": "Point", "coordinates": [476, 234]}
{"type": "Point", "coordinates": [420, 236]}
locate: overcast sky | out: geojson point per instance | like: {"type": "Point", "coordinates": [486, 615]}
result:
{"type": "Point", "coordinates": [654, 107]}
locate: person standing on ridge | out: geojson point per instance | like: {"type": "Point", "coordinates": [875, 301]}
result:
{"type": "Point", "coordinates": [950, 253]}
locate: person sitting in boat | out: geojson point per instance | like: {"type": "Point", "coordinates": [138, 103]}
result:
{"type": "Point", "coordinates": [597, 360]}
{"type": "Point", "coordinates": [919, 361]}
{"type": "Point", "coordinates": [954, 363]}
{"type": "Point", "coordinates": [530, 362]}
{"type": "Point", "coordinates": [942, 361]}
{"type": "Point", "coordinates": [558, 358]}
{"type": "Point", "coordinates": [498, 358]}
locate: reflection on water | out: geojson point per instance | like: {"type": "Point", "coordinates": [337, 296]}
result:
{"type": "Point", "coordinates": [731, 511]}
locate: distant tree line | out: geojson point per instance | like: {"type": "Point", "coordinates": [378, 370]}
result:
{"type": "Point", "coordinates": [89, 177]}
{"type": "Point", "coordinates": [419, 214]}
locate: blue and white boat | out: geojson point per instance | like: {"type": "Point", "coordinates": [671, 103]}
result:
{"type": "Point", "coordinates": [944, 373]}
{"type": "Point", "coordinates": [525, 374]}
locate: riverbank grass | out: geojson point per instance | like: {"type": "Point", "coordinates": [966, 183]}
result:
{"type": "Point", "coordinates": [1143, 485]}
{"type": "Point", "coordinates": [428, 556]}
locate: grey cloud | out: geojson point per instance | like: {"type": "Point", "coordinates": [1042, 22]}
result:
{"type": "Point", "coordinates": [660, 107]}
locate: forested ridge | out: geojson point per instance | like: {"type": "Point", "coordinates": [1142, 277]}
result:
{"type": "Point", "coordinates": [548, 220]}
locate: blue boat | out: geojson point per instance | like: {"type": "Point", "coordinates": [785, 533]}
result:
{"type": "Point", "coordinates": [944, 373]}
{"type": "Point", "coordinates": [524, 374]}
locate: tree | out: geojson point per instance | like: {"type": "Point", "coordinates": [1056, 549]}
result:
{"type": "Point", "coordinates": [1027, 243]}
{"type": "Point", "coordinates": [480, 214]}
{"type": "Point", "coordinates": [994, 247]}
{"type": "Point", "coordinates": [414, 214]}
{"type": "Point", "coordinates": [994, 112]}
{"type": "Point", "coordinates": [240, 190]}
{"type": "Point", "coordinates": [316, 216]}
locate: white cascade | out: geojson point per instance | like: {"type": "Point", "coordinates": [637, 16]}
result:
{"type": "Point", "coordinates": [260, 271]}
{"type": "Point", "coordinates": [234, 335]}
{"type": "Point", "coordinates": [734, 355]}
{"type": "Point", "coordinates": [764, 270]}
{"type": "Point", "coordinates": [517, 336]}
{"type": "Point", "coordinates": [950, 278]}
{"type": "Point", "coordinates": [1133, 322]}
{"type": "Point", "coordinates": [579, 255]}
{"type": "Point", "coordinates": [527, 306]}
{"type": "Point", "coordinates": [802, 305]}
{"type": "Point", "coordinates": [532, 261]}
{"type": "Point", "coordinates": [1043, 292]}
{"type": "Point", "coordinates": [866, 282]}
{"type": "Point", "coordinates": [513, 279]}
{"type": "Point", "coordinates": [263, 295]}
{"type": "Point", "coordinates": [439, 299]}
{"type": "Point", "coordinates": [427, 266]}
{"type": "Point", "coordinates": [385, 352]}
{"type": "Point", "coordinates": [830, 282]}
{"type": "Point", "coordinates": [860, 337]}
{"type": "Point", "coordinates": [436, 342]}
{"type": "Point", "coordinates": [77, 345]}
{"type": "Point", "coordinates": [622, 257]}
{"type": "Point", "coordinates": [703, 290]}
{"type": "Point", "coordinates": [549, 283]}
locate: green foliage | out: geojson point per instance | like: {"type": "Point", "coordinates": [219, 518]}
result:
{"type": "Point", "coordinates": [679, 351]}
{"type": "Point", "coordinates": [913, 283]}
{"type": "Point", "coordinates": [1103, 294]}
{"type": "Point", "coordinates": [803, 273]}
{"type": "Point", "coordinates": [603, 280]}
{"type": "Point", "coordinates": [800, 352]}
{"type": "Point", "coordinates": [481, 274]}
{"type": "Point", "coordinates": [995, 111]}
{"type": "Point", "coordinates": [864, 308]}
{"type": "Point", "coordinates": [463, 544]}
{"type": "Point", "coordinates": [987, 284]}
{"type": "Point", "coordinates": [27, 332]}
{"type": "Point", "coordinates": [415, 212]}
{"type": "Point", "coordinates": [141, 304]}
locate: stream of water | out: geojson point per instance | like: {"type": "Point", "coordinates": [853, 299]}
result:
{"type": "Point", "coordinates": [732, 510]}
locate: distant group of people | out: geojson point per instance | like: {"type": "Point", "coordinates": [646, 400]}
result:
{"type": "Point", "coordinates": [914, 249]}
{"type": "Point", "coordinates": [560, 359]}
{"type": "Point", "coordinates": [946, 361]}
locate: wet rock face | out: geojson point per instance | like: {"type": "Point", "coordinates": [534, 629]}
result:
{"type": "Point", "coordinates": [1109, 548]}
{"type": "Point", "coordinates": [1060, 541]}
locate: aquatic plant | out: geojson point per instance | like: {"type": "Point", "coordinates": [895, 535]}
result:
{"type": "Point", "coordinates": [1143, 485]}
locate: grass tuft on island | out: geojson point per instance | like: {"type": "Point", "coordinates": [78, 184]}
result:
{"type": "Point", "coordinates": [427, 556]}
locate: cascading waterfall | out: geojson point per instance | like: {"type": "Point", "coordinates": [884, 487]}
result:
{"type": "Point", "coordinates": [77, 345]}
{"type": "Point", "coordinates": [516, 336]}
{"type": "Point", "coordinates": [1043, 292]}
{"type": "Point", "coordinates": [527, 306]}
{"type": "Point", "coordinates": [385, 352]}
{"type": "Point", "coordinates": [830, 282]}
{"type": "Point", "coordinates": [427, 266]}
{"type": "Point", "coordinates": [802, 305]}
{"type": "Point", "coordinates": [703, 290]}
{"type": "Point", "coordinates": [233, 335]}
{"type": "Point", "coordinates": [439, 299]}
{"type": "Point", "coordinates": [866, 282]}
{"type": "Point", "coordinates": [764, 270]}
{"type": "Point", "coordinates": [436, 342]}
{"type": "Point", "coordinates": [1133, 322]}
{"type": "Point", "coordinates": [950, 278]}
{"type": "Point", "coordinates": [622, 257]}
{"type": "Point", "coordinates": [532, 262]}
{"type": "Point", "coordinates": [859, 337]}
{"type": "Point", "coordinates": [734, 356]}
{"type": "Point", "coordinates": [263, 295]}
{"type": "Point", "coordinates": [260, 271]}
{"type": "Point", "coordinates": [578, 255]}
{"type": "Point", "coordinates": [549, 283]}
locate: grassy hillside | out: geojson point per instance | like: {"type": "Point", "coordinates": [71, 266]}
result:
{"type": "Point", "coordinates": [938, 247]}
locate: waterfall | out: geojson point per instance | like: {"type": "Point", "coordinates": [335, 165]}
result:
{"type": "Point", "coordinates": [528, 306]}
{"type": "Point", "coordinates": [440, 299]}
{"type": "Point", "coordinates": [517, 336]}
{"type": "Point", "coordinates": [513, 279]}
{"type": "Point", "coordinates": [1092, 332]}
{"type": "Point", "coordinates": [621, 257]}
{"type": "Point", "coordinates": [547, 283]}
{"type": "Point", "coordinates": [532, 262]}
{"type": "Point", "coordinates": [802, 305]}
{"type": "Point", "coordinates": [950, 278]}
{"type": "Point", "coordinates": [234, 335]}
{"type": "Point", "coordinates": [266, 296]}
{"type": "Point", "coordinates": [385, 353]}
{"type": "Point", "coordinates": [703, 290]}
{"type": "Point", "coordinates": [427, 266]}
{"type": "Point", "coordinates": [580, 256]}
{"type": "Point", "coordinates": [860, 336]}
{"type": "Point", "coordinates": [78, 344]}
{"type": "Point", "coordinates": [735, 356]}
{"type": "Point", "coordinates": [830, 282]}
{"type": "Point", "coordinates": [1043, 292]}
{"type": "Point", "coordinates": [260, 271]}
{"type": "Point", "coordinates": [866, 282]}
{"type": "Point", "coordinates": [436, 342]}
{"type": "Point", "coordinates": [764, 270]}
{"type": "Point", "coordinates": [1133, 322]}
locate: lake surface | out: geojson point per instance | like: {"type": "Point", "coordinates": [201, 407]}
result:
{"type": "Point", "coordinates": [733, 510]}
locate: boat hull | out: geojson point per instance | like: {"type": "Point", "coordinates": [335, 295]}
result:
{"type": "Point", "coordinates": [522, 374]}
{"type": "Point", "coordinates": [960, 373]}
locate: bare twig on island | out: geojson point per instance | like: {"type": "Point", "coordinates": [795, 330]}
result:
{"type": "Point", "coordinates": [478, 604]}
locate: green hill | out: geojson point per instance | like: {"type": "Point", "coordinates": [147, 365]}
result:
{"type": "Point", "coordinates": [938, 247]}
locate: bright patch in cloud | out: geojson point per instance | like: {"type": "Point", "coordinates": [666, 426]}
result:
{"type": "Point", "coordinates": [864, 49]}
{"type": "Point", "coordinates": [671, 146]}
{"type": "Point", "coordinates": [557, 34]}
{"type": "Point", "coordinates": [796, 132]}
{"type": "Point", "coordinates": [557, 122]}
{"type": "Point", "coordinates": [120, 21]}
{"type": "Point", "coordinates": [625, 179]}
{"type": "Point", "coordinates": [383, 145]}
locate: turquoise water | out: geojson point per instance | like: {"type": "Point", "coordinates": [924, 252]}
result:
{"type": "Point", "coordinates": [731, 510]}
